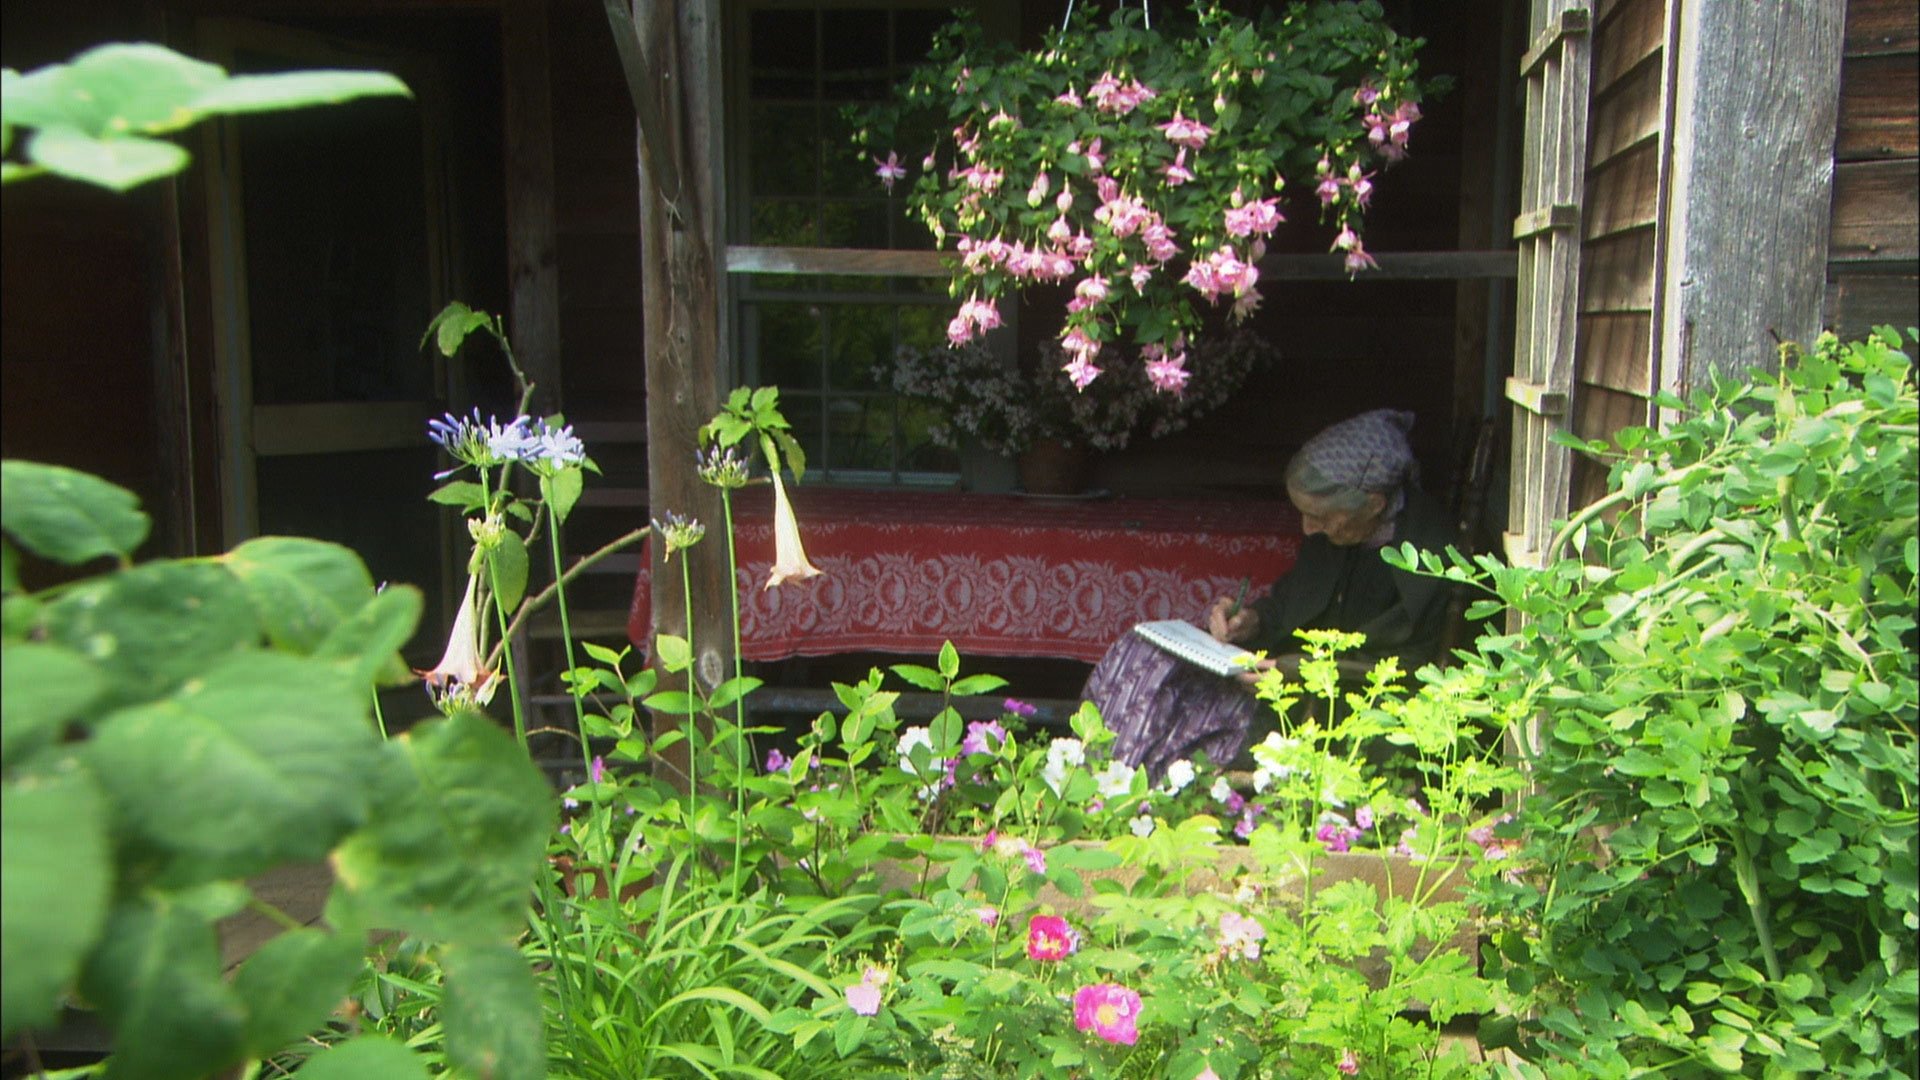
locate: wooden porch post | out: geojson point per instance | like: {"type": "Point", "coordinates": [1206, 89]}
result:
{"type": "Point", "coordinates": [671, 54]}
{"type": "Point", "coordinates": [1757, 91]}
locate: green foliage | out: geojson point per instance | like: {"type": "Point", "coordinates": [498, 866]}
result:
{"type": "Point", "coordinates": [1721, 850]}
{"type": "Point", "coordinates": [176, 727]}
{"type": "Point", "coordinates": [98, 119]}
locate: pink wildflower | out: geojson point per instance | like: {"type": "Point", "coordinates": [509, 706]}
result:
{"type": "Point", "coordinates": [890, 170]}
{"type": "Point", "coordinates": [1349, 1064]}
{"type": "Point", "coordinates": [1050, 938]}
{"type": "Point", "coordinates": [1037, 862]}
{"type": "Point", "coordinates": [1109, 1011]}
{"type": "Point", "coordinates": [988, 915]}
{"type": "Point", "coordinates": [863, 998]}
{"type": "Point", "coordinates": [1241, 934]}
{"type": "Point", "coordinates": [1020, 708]}
{"type": "Point", "coordinates": [776, 761]}
{"type": "Point", "coordinates": [597, 771]}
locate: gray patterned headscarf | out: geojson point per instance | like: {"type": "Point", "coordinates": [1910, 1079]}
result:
{"type": "Point", "coordinates": [1355, 457]}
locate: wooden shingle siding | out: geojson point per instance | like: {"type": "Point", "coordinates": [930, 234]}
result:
{"type": "Point", "coordinates": [1614, 354]}
{"type": "Point", "coordinates": [1873, 267]}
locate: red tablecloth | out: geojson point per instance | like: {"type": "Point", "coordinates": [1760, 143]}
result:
{"type": "Point", "coordinates": [998, 575]}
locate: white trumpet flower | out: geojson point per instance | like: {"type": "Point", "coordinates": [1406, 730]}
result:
{"type": "Point", "coordinates": [461, 671]}
{"type": "Point", "coordinates": [789, 558]}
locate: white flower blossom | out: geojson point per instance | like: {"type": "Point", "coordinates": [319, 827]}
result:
{"type": "Point", "coordinates": [1114, 781]}
{"type": "Point", "coordinates": [1179, 775]}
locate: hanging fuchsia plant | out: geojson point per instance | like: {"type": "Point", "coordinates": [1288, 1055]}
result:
{"type": "Point", "coordinates": [1143, 167]}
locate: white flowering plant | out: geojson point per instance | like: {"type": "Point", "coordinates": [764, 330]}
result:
{"type": "Point", "coordinates": [1144, 164]}
{"type": "Point", "coordinates": [1005, 408]}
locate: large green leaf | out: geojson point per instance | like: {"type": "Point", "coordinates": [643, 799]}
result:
{"type": "Point", "coordinates": [302, 589]}
{"type": "Point", "coordinates": [292, 983]}
{"type": "Point", "coordinates": [67, 515]}
{"type": "Point", "coordinates": [55, 874]}
{"type": "Point", "coordinates": [264, 759]}
{"type": "Point", "coordinates": [366, 1058]}
{"type": "Point", "coordinates": [121, 163]}
{"type": "Point", "coordinates": [113, 90]}
{"type": "Point", "coordinates": [295, 89]}
{"type": "Point", "coordinates": [156, 978]}
{"type": "Point", "coordinates": [153, 627]}
{"type": "Point", "coordinates": [41, 688]}
{"type": "Point", "coordinates": [492, 1013]}
{"type": "Point", "coordinates": [457, 834]}
{"type": "Point", "coordinates": [370, 639]}
{"type": "Point", "coordinates": [508, 564]}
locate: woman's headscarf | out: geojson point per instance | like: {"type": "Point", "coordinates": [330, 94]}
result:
{"type": "Point", "coordinates": [1367, 453]}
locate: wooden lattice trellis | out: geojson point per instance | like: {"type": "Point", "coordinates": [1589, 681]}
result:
{"type": "Point", "coordinates": [1556, 69]}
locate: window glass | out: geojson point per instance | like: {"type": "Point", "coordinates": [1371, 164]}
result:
{"type": "Point", "coordinates": [826, 340]}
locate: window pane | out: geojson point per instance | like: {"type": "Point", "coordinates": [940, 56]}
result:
{"type": "Point", "coordinates": [860, 433]}
{"type": "Point", "coordinates": [853, 49]}
{"type": "Point", "coordinates": [789, 345]}
{"type": "Point", "coordinates": [782, 54]}
{"type": "Point", "coordinates": [781, 222]}
{"type": "Point", "coordinates": [802, 410]}
{"type": "Point", "coordinates": [861, 338]}
{"type": "Point", "coordinates": [917, 451]}
{"type": "Point", "coordinates": [781, 155]}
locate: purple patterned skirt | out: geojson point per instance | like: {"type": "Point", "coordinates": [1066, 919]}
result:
{"type": "Point", "coordinates": [1162, 710]}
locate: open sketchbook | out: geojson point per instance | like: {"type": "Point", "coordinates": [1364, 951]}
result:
{"type": "Point", "coordinates": [1192, 644]}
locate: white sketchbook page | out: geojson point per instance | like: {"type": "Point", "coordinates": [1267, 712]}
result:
{"type": "Point", "coordinates": [1192, 644]}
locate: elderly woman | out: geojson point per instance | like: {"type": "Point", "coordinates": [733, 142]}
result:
{"type": "Point", "coordinates": [1355, 485]}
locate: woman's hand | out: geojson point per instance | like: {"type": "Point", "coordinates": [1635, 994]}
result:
{"type": "Point", "coordinates": [1237, 627]}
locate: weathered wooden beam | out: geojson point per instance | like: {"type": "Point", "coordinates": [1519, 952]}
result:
{"type": "Point", "coordinates": [1754, 112]}
{"type": "Point", "coordinates": [533, 273]}
{"type": "Point", "coordinates": [861, 262]}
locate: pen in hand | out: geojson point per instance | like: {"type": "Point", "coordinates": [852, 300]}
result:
{"type": "Point", "coordinates": [1239, 598]}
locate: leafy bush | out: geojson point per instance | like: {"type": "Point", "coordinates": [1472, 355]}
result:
{"type": "Point", "coordinates": [1721, 842]}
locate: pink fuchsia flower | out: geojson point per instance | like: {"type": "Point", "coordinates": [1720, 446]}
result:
{"type": "Point", "coordinates": [1168, 374]}
{"type": "Point", "coordinates": [890, 170]}
{"type": "Point", "coordinates": [1070, 99]}
{"type": "Point", "coordinates": [1358, 260]}
{"type": "Point", "coordinates": [1365, 95]}
{"type": "Point", "coordinates": [1349, 1064]}
{"type": "Point", "coordinates": [1050, 938]}
{"type": "Point", "coordinates": [1362, 185]}
{"type": "Point", "coordinates": [1185, 133]}
{"type": "Point", "coordinates": [1081, 371]}
{"type": "Point", "coordinates": [1328, 189]}
{"type": "Point", "coordinates": [1109, 1011]}
{"type": "Point", "coordinates": [1177, 172]}
{"type": "Point", "coordinates": [1158, 237]}
{"type": "Point", "coordinates": [1257, 218]}
{"type": "Point", "coordinates": [1241, 934]}
{"type": "Point", "coordinates": [789, 557]}
{"type": "Point", "coordinates": [1037, 193]}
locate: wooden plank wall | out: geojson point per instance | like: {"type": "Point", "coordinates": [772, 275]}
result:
{"type": "Point", "coordinates": [1872, 265]}
{"type": "Point", "coordinates": [1614, 352]}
